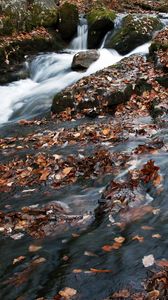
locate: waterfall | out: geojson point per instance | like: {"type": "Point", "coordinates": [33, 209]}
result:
{"type": "Point", "coordinates": [80, 41]}
{"type": "Point", "coordinates": [50, 73]}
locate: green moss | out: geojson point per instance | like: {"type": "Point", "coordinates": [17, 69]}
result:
{"type": "Point", "coordinates": [100, 13]}
{"type": "Point", "coordinates": [163, 8]}
{"type": "Point", "coordinates": [134, 32]}
{"type": "Point", "coordinates": [68, 20]}
{"type": "Point", "coordinates": [38, 16]}
{"type": "Point", "coordinates": [100, 21]}
{"type": "Point", "coordinates": [15, 21]}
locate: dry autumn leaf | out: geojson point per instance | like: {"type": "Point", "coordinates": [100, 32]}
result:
{"type": "Point", "coordinates": [100, 270]}
{"type": "Point", "coordinates": [107, 248]}
{"type": "Point", "coordinates": [68, 292]}
{"type": "Point", "coordinates": [156, 236]}
{"type": "Point", "coordinates": [119, 239]}
{"type": "Point", "coordinates": [18, 259]}
{"type": "Point", "coordinates": [138, 238]}
{"type": "Point", "coordinates": [67, 170]}
{"type": "Point", "coordinates": [162, 263]}
{"type": "Point", "coordinates": [44, 175]}
{"type": "Point", "coordinates": [34, 248]}
{"type": "Point", "coordinates": [106, 131]}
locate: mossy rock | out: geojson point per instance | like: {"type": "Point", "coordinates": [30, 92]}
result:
{"type": "Point", "coordinates": [134, 32]}
{"type": "Point", "coordinates": [163, 8]}
{"type": "Point", "coordinates": [38, 16]}
{"type": "Point", "coordinates": [100, 21]}
{"type": "Point", "coordinates": [160, 42]}
{"type": "Point", "coordinates": [68, 21]}
{"type": "Point", "coordinates": [21, 20]}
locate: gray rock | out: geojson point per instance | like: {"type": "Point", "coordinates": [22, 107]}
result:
{"type": "Point", "coordinates": [84, 59]}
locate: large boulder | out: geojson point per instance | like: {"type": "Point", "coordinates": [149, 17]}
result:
{"type": "Point", "coordinates": [134, 31]}
{"type": "Point", "coordinates": [100, 21]}
{"type": "Point", "coordinates": [68, 21]}
{"type": "Point", "coordinates": [159, 49]}
{"type": "Point", "coordinates": [84, 59]}
{"type": "Point", "coordinates": [22, 19]}
{"type": "Point", "coordinates": [104, 90]}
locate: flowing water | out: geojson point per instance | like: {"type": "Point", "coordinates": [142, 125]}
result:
{"type": "Point", "coordinates": [50, 73]}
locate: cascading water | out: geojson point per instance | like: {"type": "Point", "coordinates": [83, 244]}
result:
{"type": "Point", "coordinates": [80, 42]}
{"type": "Point", "coordinates": [49, 74]}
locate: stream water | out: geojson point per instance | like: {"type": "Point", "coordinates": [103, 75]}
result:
{"type": "Point", "coordinates": [50, 73]}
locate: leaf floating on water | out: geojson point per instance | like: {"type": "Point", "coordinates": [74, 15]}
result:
{"type": "Point", "coordinates": [17, 236]}
{"type": "Point", "coordinates": [34, 248]}
{"type": "Point", "coordinates": [100, 270]}
{"type": "Point", "coordinates": [156, 236]}
{"type": "Point", "coordinates": [162, 263]}
{"type": "Point", "coordinates": [107, 248]}
{"type": "Point", "coordinates": [119, 239]}
{"type": "Point", "coordinates": [77, 271]}
{"type": "Point", "coordinates": [145, 227]}
{"type": "Point", "coordinates": [18, 259]}
{"type": "Point", "coordinates": [123, 294]}
{"type": "Point", "coordinates": [148, 260]}
{"type": "Point", "coordinates": [68, 292]}
{"type": "Point", "coordinates": [39, 260]}
{"type": "Point", "coordinates": [138, 238]}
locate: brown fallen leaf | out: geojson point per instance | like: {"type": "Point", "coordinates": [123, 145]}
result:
{"type": "Point", "coordinates": [18, 259]}
{"type": "Point", "coordinates": [107, 248]}
{"type": "Point", "coordinates": [153, 295]}
{"type": "Point", "coordinates": [145, 227]}
{"type": "Point", "coordinates": [119, 239]}
{"type": "Point", "coordinates": [156, 236]}
{"type": "Point", "coordinates": [162, 263]}
{"type": "Point", "coordinates": [44, 175]}
{"type": "Point", "coordinates": [157, 181]}
{"type": "Point", "coordinates": [116, 245]}
{"type": "Point", "coordinates": [67, 292]}
{"type": "Point", "coordinates": [77, 271]}
{"type": "Point", "coordinates": [106, 131]}
{"type": "Point", "coordinates": [123, 294]}
{"type": "Point", "coordinates": [67, 170]}
{"type": "Point", "coordinates": [100, 270]}
{"type": "Point", "coordinates": [34, 248]}
{"type": "Point", "coordinates": [138, 238]}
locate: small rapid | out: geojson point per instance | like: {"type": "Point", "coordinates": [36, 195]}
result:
{"type": "Point", "coordinates": [49, 74]}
